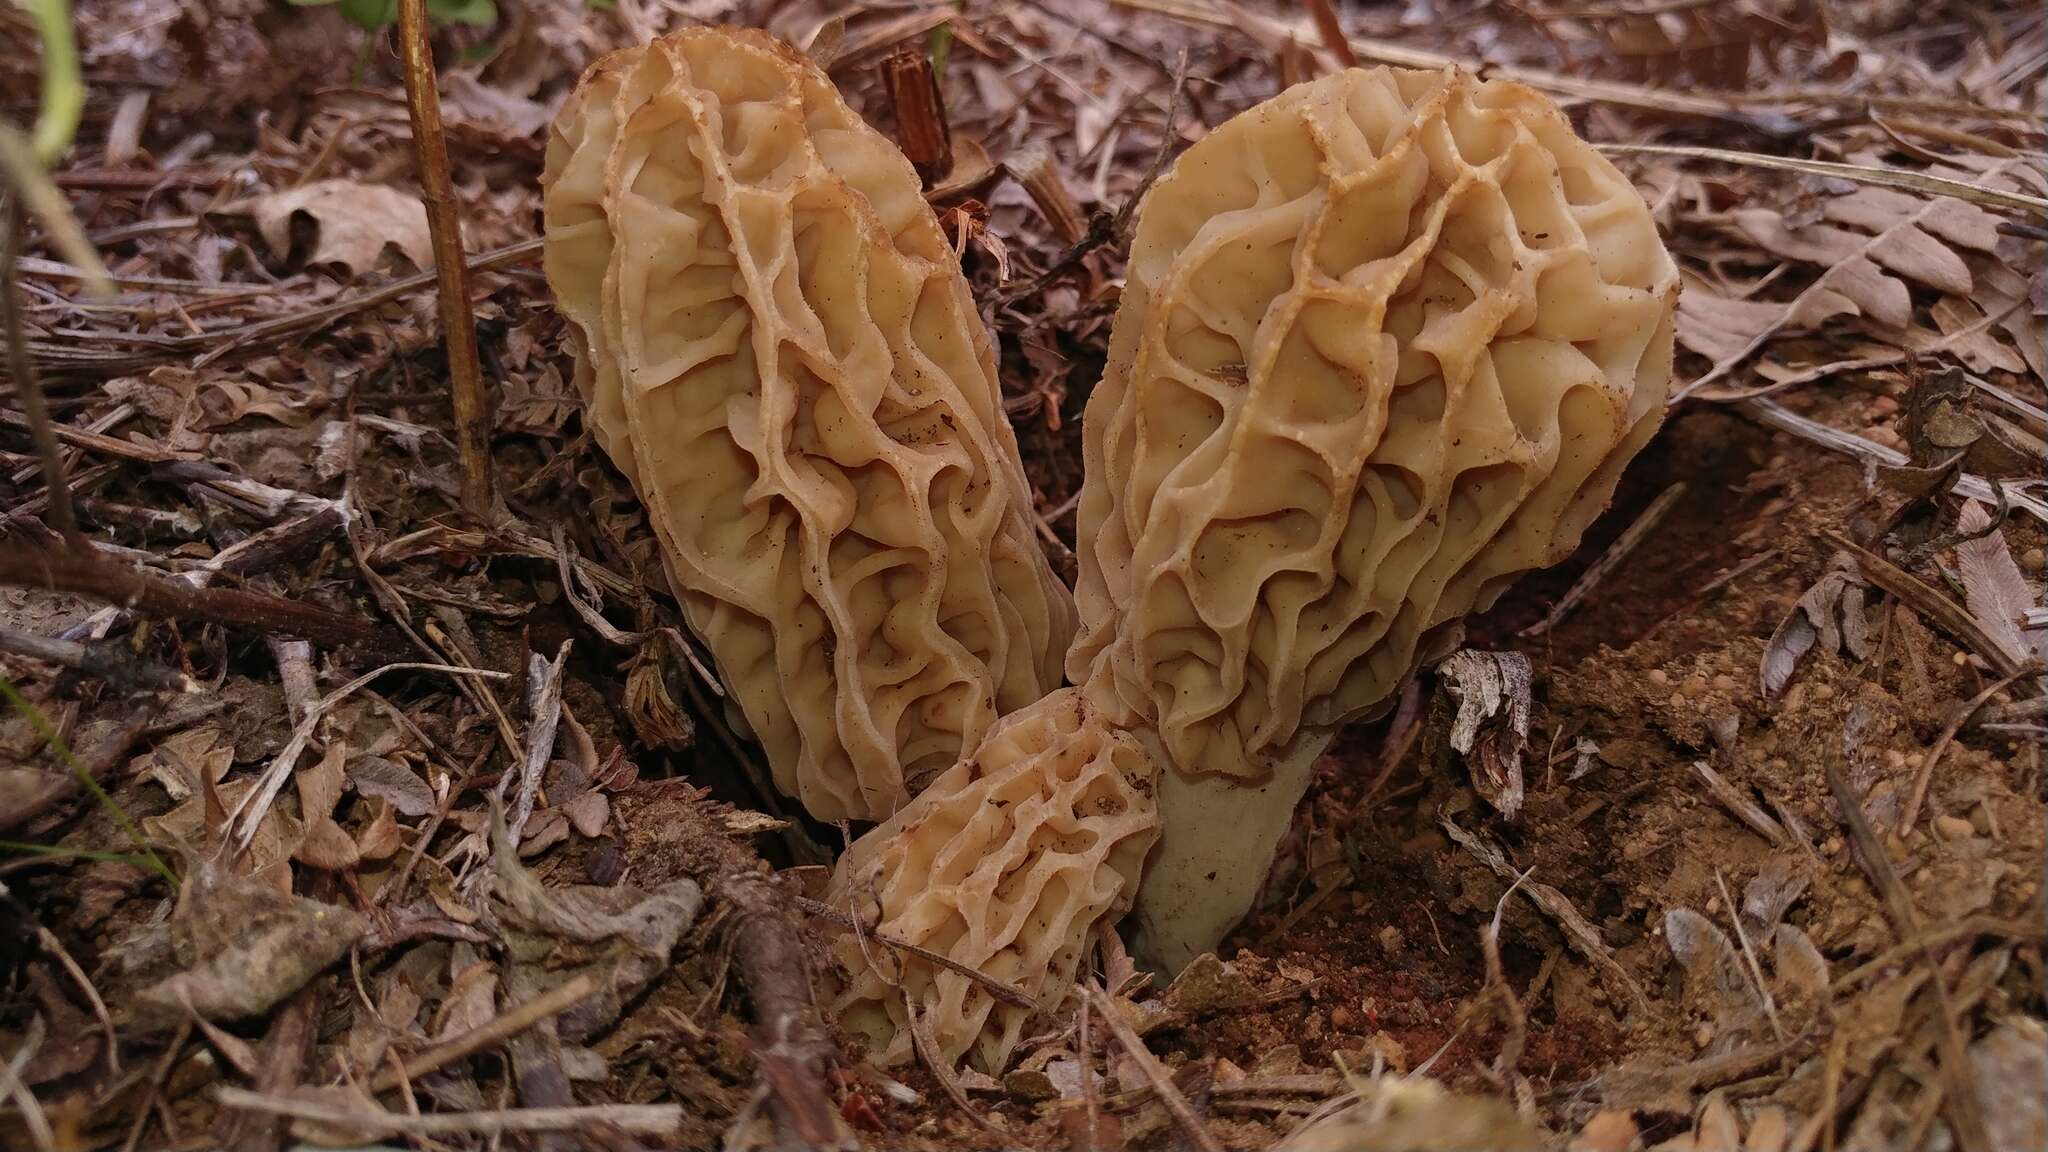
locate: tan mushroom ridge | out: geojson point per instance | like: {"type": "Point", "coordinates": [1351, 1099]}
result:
{"type": "Point", "coordinates": [1386, 341]}
{"type": "Point", "coordinates": [777, 346]}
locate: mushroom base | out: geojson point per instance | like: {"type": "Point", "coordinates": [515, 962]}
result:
{"type": "Point", "coordinates": [1216, 844]}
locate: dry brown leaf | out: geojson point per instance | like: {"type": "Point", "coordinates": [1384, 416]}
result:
{"type": "Point", "coordinates": [241, 946]}
{"type": "Point", "coordinates": [393, 782]}
{"type": "Point", "coordinates": [356, 221]}
{"type": "Point", "coordinates": [1994, 589]}
{"type": "Point", "coordinates": [472, 102]}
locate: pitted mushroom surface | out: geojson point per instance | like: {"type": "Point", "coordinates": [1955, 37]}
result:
{"type": "Point", "coordinates": [777, 346]}
{"type": "Point", "coordinates": [1006, 864]}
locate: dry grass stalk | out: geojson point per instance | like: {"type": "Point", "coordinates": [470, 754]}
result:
{"type": "Point", "coordinates": [1177, 1106]}
{"type": "Point", "coordinates": [1633, 535]}
{"type": "Point", "coordinates": [1898, 178]}
{"type": "Point", "coordinates": [555, 1000]}
{"type": "Point", "coordinates": [444, 223]}
{"type": "Point", "coordinates": [1039, 175]}
{"type": "Point", "coordinates": [1910, 814]}
{"type": "Point", "coordinates": [654, 1119]}
{"type": "Point", "coordinates": [1963, 1105]}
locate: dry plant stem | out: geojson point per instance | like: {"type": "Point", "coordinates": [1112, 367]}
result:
{"type": "Point", "coordinates": [1637, 531]}
{"type": "Point", "coordinates": [555, 1000]}
{"type": "Point", "coordinates": [1899, 178]}
{"type": "Point", "coordinates": [444, 222]}
{"type": "Point", "coordinates": [1910, 815]}
{"type": "Point", "coordinates": [1753, 970]}
{"type": "Point", "coordinates": [153, 595]}
{"type": "Point", "coordinates": [1578, 931]}
{"type": "Point", "coordinates": [920, 113]}
{"type": "Point", "coordinates": [1922, 598]}
{"type": "Point", "coordinates": [32, 1116]}
{"type": "Point", "coordinates": [287, 1046]}
{"type": "Point", "coordinates": [157, 1077]}
{"type": "Point", "coordinates": [27, 388]}
{"type": "Point", "coordinates": [1773, 414]}
{"type": "Point", "coordinates": [768, 947]}
{"type": "Point", "coordinates": [942, 1071]}
{"type": "Point", "coordinates": [1963, 1103]}
{"type": "Point", "coordinates": [1002, 991]}
{"type": "Point", "coordinates": [105, 661]}
{"type": "Point", "coordinates": [1332, 32]}
{"type": "Point", "coordinates": [653, 1119]}
{"type": "Point", "coordinates": [1177, 1106]}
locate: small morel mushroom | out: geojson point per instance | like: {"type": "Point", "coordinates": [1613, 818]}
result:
{"type": "Point", "coordinates": [777, 346]}
{"type": "Point", "coordinates": [1386, 341]}
{"type": "Point", "coordinates": [1004, 865]}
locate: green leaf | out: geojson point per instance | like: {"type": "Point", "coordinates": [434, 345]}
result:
{"type": "Point", "coordinates": [480, 13]}
{"type": "Point", "coordinates": [370, 14]}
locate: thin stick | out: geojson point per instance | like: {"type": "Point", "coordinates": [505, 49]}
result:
{"type": "Point", "coordinates": [26, 385]}
{"type": "Point", "coordinates": [257, 802]}
{"type": "Point", "coordinates": [655, 1119]}
{"type": "Point", "coordinates": [1900, 178]}
{"type": "Point", "coordinates": [1611, 559]}
{"type": "Point", "coordinates": [1963, 1103]}
{"type": "Point", "coordinates": [32, 1117]}
{"type": "Point", "coordinates": [1911, 813]}
{"type": "Point", "coordinates": [64, 570]}
{"type": "Point", "coordinates": [1754, 970]}
{"type": "Point", "coordinates": [55, 947]}
{"type": "Point", "coordinates": [1177, 1105]}
{"type": "Point", "coordinates": [927, 1051]}
{"type": "Point", "coordinates": [444, 224]}
{"type": "Point", "coordinates": [1007, 993]}
{"type": "Point", "coordinates": [555, 1000]}
{"type": "Point", "coordinates": [1332, 32]}
{"type": "Point", "coordinates": [102, 660]}
{"type": "Point", "coordinates": [157, 1078]}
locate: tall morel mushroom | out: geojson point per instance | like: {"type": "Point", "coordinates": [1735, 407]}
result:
{"type": "Point", "coordinates": [777, 346]}
{"type": "Point", "coordinates": [1386, 342]}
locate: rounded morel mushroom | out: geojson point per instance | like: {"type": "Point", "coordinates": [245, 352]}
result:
{"type": "Point", "coordinates": [777, 346]}
{"type": "Point", "coordinates": [1005, 865]}
{"type": "Point", "coordinates": [1386, 342]}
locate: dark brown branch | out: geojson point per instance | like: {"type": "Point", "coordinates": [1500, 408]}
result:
{"type": "Point", "coordinates": [444, 222]}
{"type": "Point", "coordinates": [63, 570]}
{"type": "Point", "coordinates": [109, 662]}
{"type": "Point", "coordinates": [790, 1048]}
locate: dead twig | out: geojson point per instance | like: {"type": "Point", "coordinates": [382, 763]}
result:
{"type": "Point", "coordinates": [1638, 530]}
{"type": "Point", "coordinates": [935, 1063]}
{"type": "Point", "coordinates": [108, 661]}
{"type": "Point", "coordinates": [1177, 1106]}
{"type": "Point", "coordinates": [1578, 931]}
{"type": "Point", "coordinates": [1963, 1105]}
{"type": "Point", "coordinates": [1910, 814]}
{"type": "Point", "coordinates": [1003, 991]}
{"type": "Point", "coordinates": [552, 1002]}
{"type": "Point", "coordinates": [1332, 32]}
{"type": "Point", "coordinates": [652, 1119]}
{"type": "Point", "coordinates": [790, 1047]}
{"type": "Point", "coordinates": [65, 570]}
{"type": "Point", "coordinates": [1924, 599]}
{"type": "Point", "coordinates": [28, 388]}
{"type": "Point", "coordinates": [544, 705]}
{"type": "Point", "coordinates": [444, 224]}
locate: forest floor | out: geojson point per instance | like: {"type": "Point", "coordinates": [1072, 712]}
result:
{"type": "Point", "coordinates": [1776, 879]}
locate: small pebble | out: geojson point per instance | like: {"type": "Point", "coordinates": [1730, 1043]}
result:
{"type": "Point", "coordinates": [1823, 691]}
{"type": "Point", "coordinates": [1894, 759]}
{"type": "Point", "coordinates": [1340, 1017]}
{"type": "Point", "coordinates": [1677, 701]}
{"type": "Point", "coordinates": [1659, 677]}
{"type": "Point", "coordinates": [1953, 828]}
{"type": "Point", "coordinates": [1390, 940]}
{"type": "Point", "coordinates": [1962, 659]}
{"type": "Point", "coordinates": [1724, 683]}
{"type": "Point", "coordinates": [1832, 846]}
{"type": "Point", "coordinates": [1882, 406]}
{"type": "Point", "coordinates": [1915, 759]}
{"type": "Point", "coordinates": [2034, 561]}
{"type": "Point", "coordinates": [1703, 1035]}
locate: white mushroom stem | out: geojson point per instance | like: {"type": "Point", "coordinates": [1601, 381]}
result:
{"type": "Point", "coordinates": [1218, 835]}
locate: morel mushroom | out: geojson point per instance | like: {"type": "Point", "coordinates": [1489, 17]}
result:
{"type": "Point", "coordinates": [1004, 865]}
{"type": "Point", "coordinates": [776, 344]}
{"type": "Point", "coordinates": [1386, 342]}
